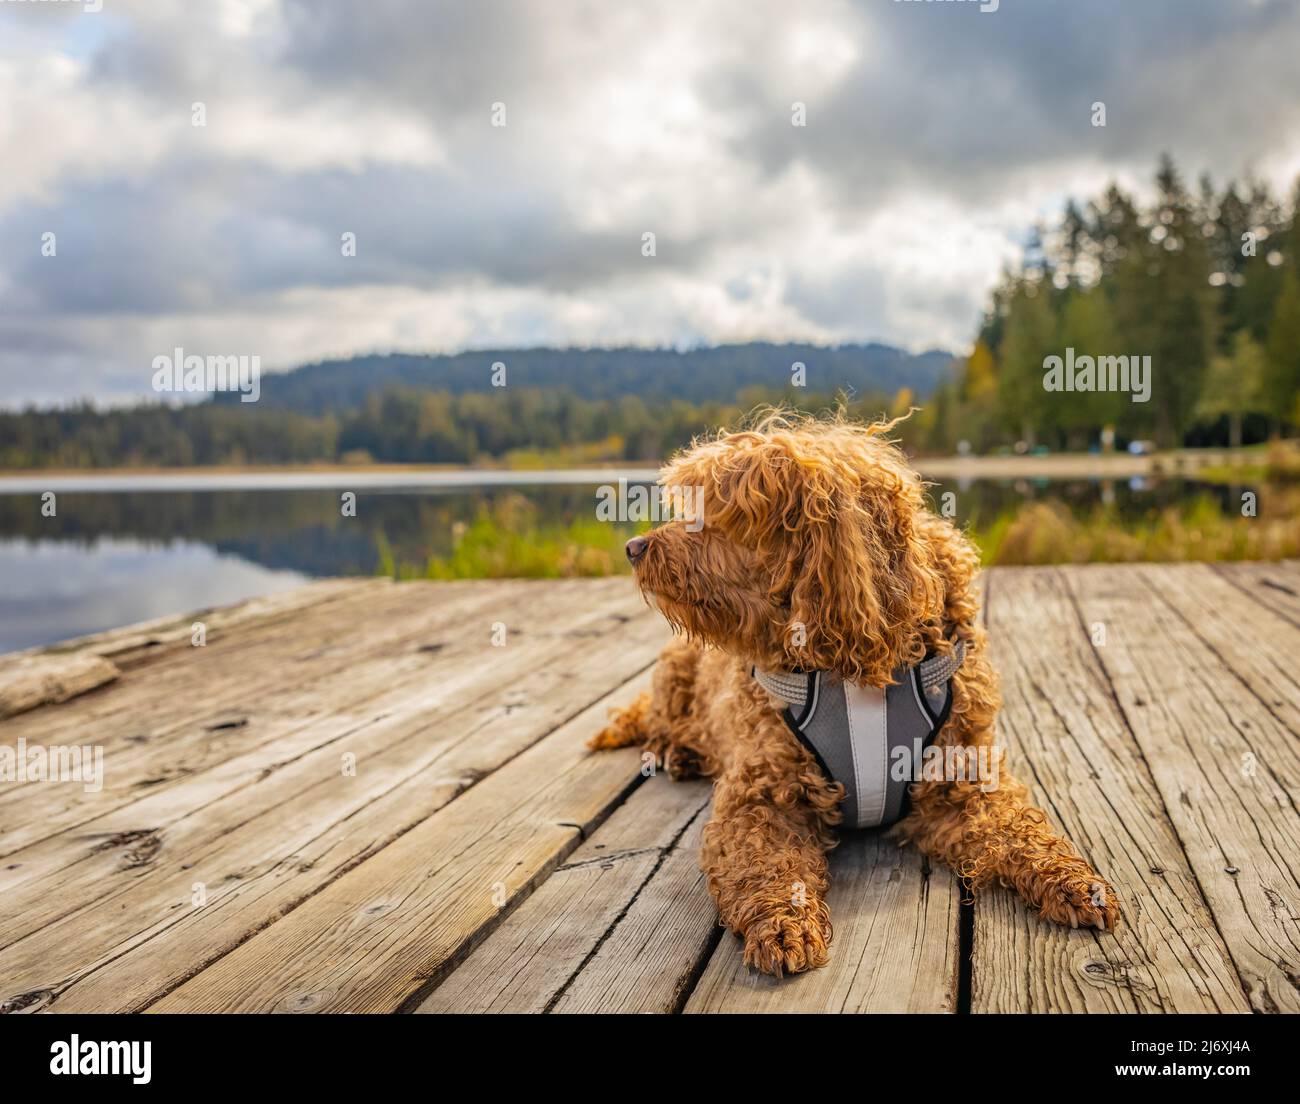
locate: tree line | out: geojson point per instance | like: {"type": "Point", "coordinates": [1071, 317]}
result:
{"type": "Point", "coordinates": [709, 374]}
{"type": "Point", "coordinates": [398, 425]}
{"type": "Point", "coordinates": [1204, 281]}
{"type": "Point", "coordinates": [415, 422]}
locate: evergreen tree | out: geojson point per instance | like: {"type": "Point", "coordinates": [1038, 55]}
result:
{"type": "Point", "coordinates": [1234, 385]}
{"type": "Point", "coordinates": [1088, 328]}
{"type": "Point", "coordinates": [1282, 377]}
{"type": "Point", "coordinates": [1030, 337]}
{"type": "Point", "coordinates": [1165, 307]}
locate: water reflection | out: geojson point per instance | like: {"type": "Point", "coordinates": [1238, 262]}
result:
{"type": "Point", "coordinates": [110, 558]}
{"type": "Point", "coordinates": [51, 589]}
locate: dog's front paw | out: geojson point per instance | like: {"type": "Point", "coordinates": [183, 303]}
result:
{"type": "Point", "coordinates": [789, 940]}
{"type": "Point", "coordinates": [1079, 898]}
{"type": "Point", "coordinates": [683, 762]}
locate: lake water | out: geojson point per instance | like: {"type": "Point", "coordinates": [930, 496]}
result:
{"type": "Point", "coordinates": [138, 547]}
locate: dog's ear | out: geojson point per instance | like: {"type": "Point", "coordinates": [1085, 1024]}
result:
{"type": "Point", "coordinates": [834, 524]}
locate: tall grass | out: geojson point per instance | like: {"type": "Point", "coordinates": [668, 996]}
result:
{"type": "Point", "coordinates": [511, 538]}
{"type": "Point", "coordinates": [1048, 533]}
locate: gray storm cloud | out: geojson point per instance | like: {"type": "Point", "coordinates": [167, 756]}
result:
{"type": "Point", "coordinates": [935, 135]}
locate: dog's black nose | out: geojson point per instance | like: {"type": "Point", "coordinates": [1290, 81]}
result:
{"type": "Point", "coordinates": [636, 548]}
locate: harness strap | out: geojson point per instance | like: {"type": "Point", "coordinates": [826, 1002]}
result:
{"type": "Point", "coordinates": [941, 668]}
{"type": "Point", "coordinates": [792, 686]}
{"type": "Point", "coordinates": [789, 686]}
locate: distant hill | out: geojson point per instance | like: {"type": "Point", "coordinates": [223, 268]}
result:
{"type": "Point", "coordinates": [561, 407]}
{"type": "Point", "coordinates": [698, 375]}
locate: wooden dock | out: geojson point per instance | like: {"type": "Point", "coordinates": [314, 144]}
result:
{"type": "Point", "coordinates": [356, 797]}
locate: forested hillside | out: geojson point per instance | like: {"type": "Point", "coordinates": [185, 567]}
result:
{"type": "Point", "coordinates": [1205, 281]}
{"type": "Point", "coordinates": [715, 374]}
{"type": "Point", "coordinates": [558, 406]}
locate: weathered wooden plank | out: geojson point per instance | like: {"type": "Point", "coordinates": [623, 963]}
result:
{"type": "Point", "coordinates": [35, 680]}
{"type": "Point", "coordinates": [456, 693]}
{"type": "Point", "coordinates": [653, 954]}
{"type": "Point", "coordinates": [1194, 685]}
{"type": "Point", "coordinates": [374, 938]}
{"type": "Point", "coordinates": [288, 698]}
{"type": "Point", "coordinates": [314, 641]}
{"type": "Point", "coordinates": [257, 621]}
{"type": "Point", "coordinates": [264, 849]}
{"type": "Point", "coordinates": [549, 946]}
{"type": "Point", "coordinates": [895, 947]}
{"type": "Point", "coordinates": [148, 640]}
{"type": "Point", "coordinates": [423, 643]}
{"type": "Point", "coordinates": [1276, 586]}
{"type": "Point", "coordinates": [1257, 647]}
{"type": "Point", "coordinates": [1066, 737]}
{"type": "Point", "coordinates": [159, 697]}
{"type": "Point", "coordinates": [230, 667]}
{"type": "Point", "coordinates": [326, 892]}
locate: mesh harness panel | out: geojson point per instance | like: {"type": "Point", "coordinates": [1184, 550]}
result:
{"type": "Point", "coordinates": [868, 738]}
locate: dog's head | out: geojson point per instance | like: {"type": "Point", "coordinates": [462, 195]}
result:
{"type": "Point", "coordinates": [810, 554]}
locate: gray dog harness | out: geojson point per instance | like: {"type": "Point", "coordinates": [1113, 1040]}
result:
{"type": "Point", "coordinates": [860, 734]}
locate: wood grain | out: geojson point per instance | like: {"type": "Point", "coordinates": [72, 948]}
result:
{"type": "Point", "coordinates": [1275, 586]}
{"type": "Point", "coordinates": [262, 848]}
{"type": "Point", "coordinates": [596, 933]}
{"type": "Point", "coordinates": [479, 859]}
{"type": "Point", "coordinates": [1068, 739]}
{"type": "Point", "coordinates": [1217, 719]}
{"type": "Point", "coordinates": [34, 680]}
{"type": "Point", "coordinates": [895, 947]}
{"type": "Point", "coordinates": [376, 937]}
{"type": "Point", "coordinates": [205, 707]}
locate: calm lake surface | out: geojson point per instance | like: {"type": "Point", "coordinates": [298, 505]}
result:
{"type": "Point", "coordinates": [127, 548]}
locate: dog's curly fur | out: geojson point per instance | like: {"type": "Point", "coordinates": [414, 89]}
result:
{"type": "Point", "coordinates": [817, 552]}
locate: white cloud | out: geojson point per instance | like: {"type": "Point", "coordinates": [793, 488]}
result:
{"type": "Point", "coordinates": [936, 136]}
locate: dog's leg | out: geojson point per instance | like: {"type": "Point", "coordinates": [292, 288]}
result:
{"type": "Point", "coordinates": [627, 726]}
{"type": "Point", "coordinates": [664, 720]}
{"type": "Point", "coordinates": [1000, 836]}
{"type": "Point", "coordinates": [765, 850]}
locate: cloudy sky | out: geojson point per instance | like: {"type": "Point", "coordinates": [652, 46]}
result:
{"type": "Point", "coordinates": [935, 135]}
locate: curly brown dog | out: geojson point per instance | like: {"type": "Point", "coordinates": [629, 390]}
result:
{"type": "Point", "coordinates": [816, 553]}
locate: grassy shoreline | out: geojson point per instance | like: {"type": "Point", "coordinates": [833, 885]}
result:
{"type": "Point", "coordinates": [1062, 465]}
{"type": "Point", "coordinates": [1265, 525]}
